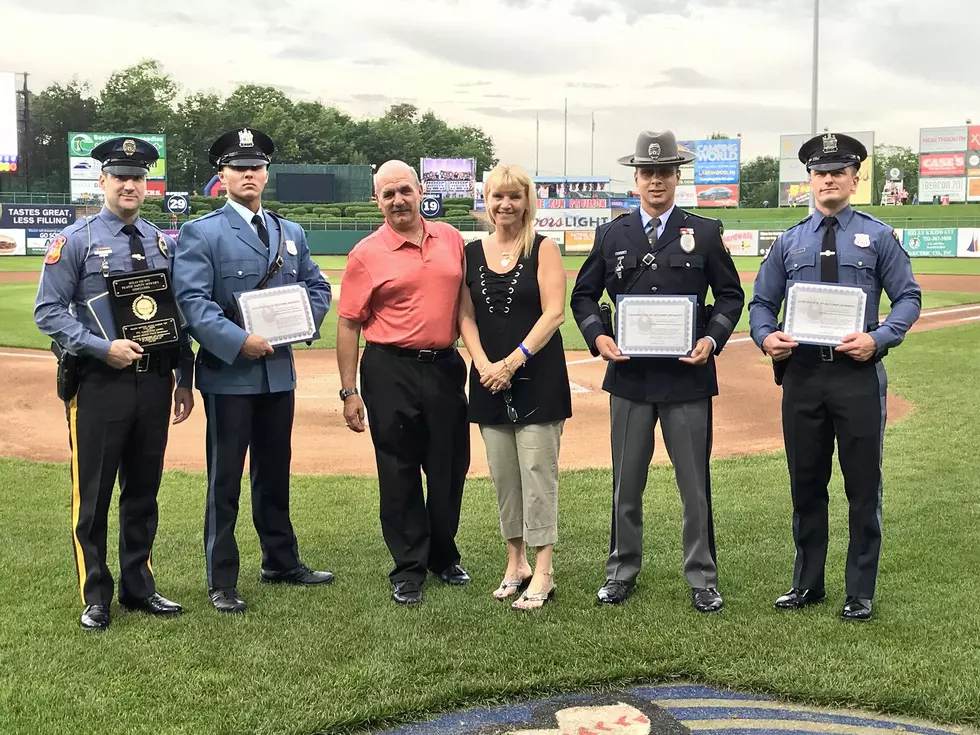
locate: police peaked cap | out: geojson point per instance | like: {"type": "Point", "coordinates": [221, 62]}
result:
{"type": "Point", "coordinates": [830, 152]}
{"type": "Point", "coordinates": [125, 156]}
{"type": "Point", "coordinates": [243, 148]}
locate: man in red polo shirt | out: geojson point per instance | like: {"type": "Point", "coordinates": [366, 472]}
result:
{"type": "Point", "coordinates": [401, 288]}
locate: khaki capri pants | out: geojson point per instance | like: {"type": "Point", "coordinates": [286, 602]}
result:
{"type": "Point", "coordinates": [523, 460]}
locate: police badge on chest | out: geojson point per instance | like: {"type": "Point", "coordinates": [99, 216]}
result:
{"type": "Point", "coordinates": [687, 239]}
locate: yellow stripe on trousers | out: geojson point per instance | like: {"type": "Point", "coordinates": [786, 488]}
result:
{"type": "Point", "coordinates": [76, 499]}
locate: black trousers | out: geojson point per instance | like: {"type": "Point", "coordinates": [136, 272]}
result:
{"type": "Point", "coordinates": [262, 425]}
{"type": "Point", "coordinates": [417, 416]}
{"type": "Point", "coordinates": [118, 423]}
{"type": "Point", "coordinates": [824, 401]}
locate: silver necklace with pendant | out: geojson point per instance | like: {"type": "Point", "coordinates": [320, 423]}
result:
{"type": "Point", "coordinates": [505, 259]}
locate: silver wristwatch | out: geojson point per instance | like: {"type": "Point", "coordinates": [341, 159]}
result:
{"type": "Point", "coordinates": [346, 393]}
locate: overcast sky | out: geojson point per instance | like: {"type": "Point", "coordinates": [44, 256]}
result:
{"type": "Point", "coordinates": [694, 66]}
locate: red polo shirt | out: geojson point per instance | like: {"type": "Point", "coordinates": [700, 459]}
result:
{"type": "Point", "coordinates": [403, 294]}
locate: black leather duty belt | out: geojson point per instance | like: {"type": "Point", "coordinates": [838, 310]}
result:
{"type": "Point", "coordinates": [420, 355]}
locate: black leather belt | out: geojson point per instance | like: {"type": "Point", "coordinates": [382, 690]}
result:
{"type": "Point", "coordinates": [816, 354]}
{"type": "Point", "coordinates": [420, 355]}
{"type": "Point", "coordinates": [150, 362]}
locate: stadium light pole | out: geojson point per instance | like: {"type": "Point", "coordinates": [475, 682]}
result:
{"type": "Point", "coordinates": [565, 154]}
{"type": "Point", "coordinates": [813, 92]}
{"type": "Point", "coordinates": [592, 148]}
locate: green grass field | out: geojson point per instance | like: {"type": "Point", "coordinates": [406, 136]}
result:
{"type": "Point", "coordinates": [17, 323]}
{"type": "Point", "coordinates": [924, 266]}
{"type": "Point", "coordinates": [342, 658]}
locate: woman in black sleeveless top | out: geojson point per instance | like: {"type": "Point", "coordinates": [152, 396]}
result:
{"type": "Point", "coordinates": [511, 306]}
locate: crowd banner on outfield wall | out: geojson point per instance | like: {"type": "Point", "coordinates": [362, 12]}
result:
{"type": "Point", "coordinates": [930, 242]}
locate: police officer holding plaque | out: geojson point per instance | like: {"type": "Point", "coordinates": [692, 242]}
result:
{"type": "Point", "coordinates": [831, 269]}
{"type": "Point", "coordinates": [249, 288]}
{"type": "Point", "coordinates": [105, 300]}
{"type": "Point", "coordinates": [658, 263]}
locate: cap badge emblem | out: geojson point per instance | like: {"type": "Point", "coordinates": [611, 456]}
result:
{"type": "Point", "coordinates": [830, 143]}
{"type": "Point", "coordinates": [245, 138]}
{"type": "Point", "coordinates": [129, 147]}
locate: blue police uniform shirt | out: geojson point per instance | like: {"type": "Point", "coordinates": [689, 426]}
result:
{"type": "Point", "coordinates": [868, 255]}
{"type": "Point", "coordinates": [95, 247]}
{"type": "Point", "coordinates": [247, 214]}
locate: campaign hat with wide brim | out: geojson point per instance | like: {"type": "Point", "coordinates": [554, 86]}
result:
{"type": "Point", "coordinates": [657, 149]}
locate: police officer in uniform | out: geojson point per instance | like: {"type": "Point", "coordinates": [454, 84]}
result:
{"type": "Point", "coordinates": [247, 385]}
{"type": "Point", "coordinates": [835, 392]}
{"type": "Point", "coordinates": [119, 415]}
{"type": "Point", "coordinates": [660, 249]}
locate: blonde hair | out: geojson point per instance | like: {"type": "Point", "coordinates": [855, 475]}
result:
{"type": "Point", "coordinates": [510, 177]}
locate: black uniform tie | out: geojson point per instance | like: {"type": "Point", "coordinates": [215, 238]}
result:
{"type": "Point", "coordinates": [136, 251]}
{"type": "Point", "coordinates": [261, 231]}
{"type": "Point", "coordinates": [654, 225]}
{"type": "Point", "coordinates": [828, 251]}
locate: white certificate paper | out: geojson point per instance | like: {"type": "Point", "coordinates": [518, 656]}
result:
{"type": "Point", "coordinates": [282, 315]}
{"type": "Point", "coordinates": [824, 313]}
{"type": "Point", "coordinates": [655, 326]}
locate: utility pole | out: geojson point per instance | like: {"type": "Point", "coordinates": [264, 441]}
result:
{"type": "Point", "coordinates": [813, 92]}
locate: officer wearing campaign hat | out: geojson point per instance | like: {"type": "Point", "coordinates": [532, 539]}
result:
{"type": "Point", "coordinates": [119, 397]}
{"type": "Point", "coordinates": [660, 249]}
{"type": "Point", "coordinates": [248, 386]}
{"type": "Point", "coordinates": [835, 391]}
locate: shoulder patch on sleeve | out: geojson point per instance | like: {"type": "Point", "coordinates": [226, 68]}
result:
{"type": "Point", "coordinates": [53, 255]}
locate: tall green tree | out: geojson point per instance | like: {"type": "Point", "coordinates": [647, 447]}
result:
{"type": "Point", "coordinates": [138, 99]}
{"type": "Point", "coordinates": [759, 182]}
{"type": "Point", "coordinates": [54, 112]}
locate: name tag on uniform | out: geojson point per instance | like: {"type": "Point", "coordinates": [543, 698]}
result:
{"type": "Point", "coordinates": [862, 240]}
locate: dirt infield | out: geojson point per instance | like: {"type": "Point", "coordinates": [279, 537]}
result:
{"type": "Point", "coordinates": [746, 418]}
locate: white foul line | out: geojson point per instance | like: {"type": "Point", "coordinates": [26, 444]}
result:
{"type": "Point", "coordinates": [24, 354]}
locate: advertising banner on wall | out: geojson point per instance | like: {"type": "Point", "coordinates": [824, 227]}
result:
{"type": "Point", "coordinates": [717, 161]}
{"type": "Point", "coordinates": [968, 244]}
{"type": "Point", "coordinates": [766, 240]}
{"type": "Point", "coordinates": [579, 241]}
{"type": "Point", "coordinates": [942, 164]}
{"type": "Point", "coordinates": [33, 216]}
{"type": "Point", "coordinates": [741, 242]}
{"type": "Point", "coordinates": [954, 188]}
{"type": "Point", "coordinates": [571, 219]}
{"type": "Point", "coordinates": [13, 242]}
{"type": "Point", "coordinates": [973, 190]}
{"type": "Point", "coordinates": [943, 140]}
{"type": "Point", "coordinates": [717, 196]}
{"type": "Point", "coordinates": [934, 242]}
{"type": "Point", "coordinates": [82, 166]}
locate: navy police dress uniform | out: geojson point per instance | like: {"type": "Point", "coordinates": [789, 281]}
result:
{"type": "Point", "coordinates": [119, 418]}
{"type": "Point", "coordinates": [828, 395]}
{"type": "Point", "coordinates": [249, 403]}
{"type": "Point", "coordinates": [686, 255]}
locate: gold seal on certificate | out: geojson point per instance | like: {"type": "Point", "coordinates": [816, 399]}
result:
{"type": "Point", "coordinates": [824, 313]}
{"type": "Point", "coordinates": [282, 315]}
{"type": "Point", "coordinates": [655, 326]}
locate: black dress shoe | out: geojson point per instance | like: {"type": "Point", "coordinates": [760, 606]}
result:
{"type": "Point", "coordinates": [227, 600]}
{"type": "Point", "coordinates": [706, 599]}
{"type": "Point", "coordinates": [614, 592]}
{"type": "Point", "coordinates": [856, 608]}
{"type": "Point", "coordinates": [155, 604]}
{"type": "Point", "coordinates": [797, 599]}
{"type": "Point", "coordinates": [454, 575]}
{"type": "Point", "coordinates": [301, 575]}
{"type": "Point", "coordinates": [407, 593]}
{"type": "Point", "coordinates": [95, 617]}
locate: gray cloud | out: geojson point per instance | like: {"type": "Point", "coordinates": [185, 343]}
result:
{"type": "Point", "coordinates": [371, 97]}
{"type": "Point", "coordinates": [685, 77]}
{"type": "Point", "coordinates": [590, 11]}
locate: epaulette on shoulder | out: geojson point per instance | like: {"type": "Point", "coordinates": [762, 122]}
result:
{"type": "Point", "coordinates": [701, 216]}
{"type": "Point", "coordinates": [801, 222]}
{"type": "Point", "coordinates": [874, 219]}
{"type": "Point", "coordinates": [212, 213]}
{"type": "Point", "coordinates": [78, 225]}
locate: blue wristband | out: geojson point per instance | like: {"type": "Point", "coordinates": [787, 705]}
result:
{"type": "Point", "coordinates": [525, 350]}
